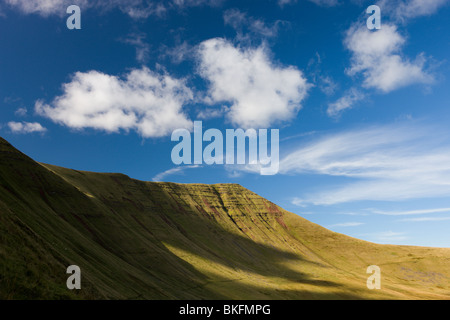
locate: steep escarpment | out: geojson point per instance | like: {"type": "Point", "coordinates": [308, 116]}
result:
{"type": "Point", "coordinates": [146, 240]}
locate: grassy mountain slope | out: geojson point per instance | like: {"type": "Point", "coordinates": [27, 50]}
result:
{"type": "Point", "coordinates": [145, 240]}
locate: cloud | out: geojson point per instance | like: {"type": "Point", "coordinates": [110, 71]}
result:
{"type": "Point", "coordinates": [299, 202]}
{"type": "Point", "coordinates": [142, 48]}
{"type": "Point", "coordinates": [179, 53]}
{"type": "Point", "coordinates": [327, 85]}
{"type": "Point", "coordinates": [248, 27]}
{"type": "Point", "coordinates": [318, 76]}
{"type": "Point", "coordinates": [405, 10]}
{"type": "Point", "coordinates": [136, 9]}
{"type": "Point", "coordinates": [178, 170]}
{"type": "Point", "coordinates": [377, 56]}
{"type": "Point", "coordinates": [325, 3]}
{"type": "Point", "coordinates": [45, 8]}
{"type": "Point", "coordinates": [346, 102]}
{"type": "Point", "coordinates": [21, 112]}
{"type": "Point", "coordinates": [26, 127]}
{"type": "Point", "coordinates": [426, 219]}
{"type": "Point", "coordinates": [386, 163]}
{"type": "Point", "coordinates": [282, 3]}
{"type": "Point", "coordinates": [347, 213]}
{"type": "Point", "coordinates": [195, 3]}
{"type": "Point", "coordinates": [346, 224]}
{"type": "Point", "coordinates": [209, 113]}
{"type": "Point", "coordinates": [411, 212]}
{"type": "Point", "coordinates": [322, 3]}
{"type": "Point", "coordinates": [149, 103]}
{"type": "Point", "coordinates": [260, 92]}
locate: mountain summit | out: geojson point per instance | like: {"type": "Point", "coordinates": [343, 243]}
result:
{"type": "Point", "coordinates": [148, 240]}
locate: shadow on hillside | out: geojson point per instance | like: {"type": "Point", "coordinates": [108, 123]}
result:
{"type": "Point", "coordinates": [170, 220]}
{"type": "Point", "coordinates": [122, 237]}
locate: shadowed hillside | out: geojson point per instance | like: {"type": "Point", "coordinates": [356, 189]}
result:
{"type": "Point", "coordinates": [146, 240]}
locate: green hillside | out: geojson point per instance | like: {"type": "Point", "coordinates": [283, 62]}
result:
{"type": "Point", "coordinates": [146, 240]}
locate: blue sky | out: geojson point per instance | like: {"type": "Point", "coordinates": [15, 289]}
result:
{"type": "Point", "coordinates": [363, 120]}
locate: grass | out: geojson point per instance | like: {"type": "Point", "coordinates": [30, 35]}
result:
{"type": "Point", "coordinates": [147, 240]}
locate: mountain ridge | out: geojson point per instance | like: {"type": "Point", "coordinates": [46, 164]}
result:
{"type": "Point", "coordinates": [157, 240]}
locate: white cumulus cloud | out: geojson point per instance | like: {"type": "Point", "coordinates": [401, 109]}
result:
{"type": "Point", "coordinates": [260, 93]}
{"type": "Point", "coordinates": [149, 103]}
{"type": "Point", "coordinates": [378, 57]}
{"type": "Point", "coordinates": [26, 127]}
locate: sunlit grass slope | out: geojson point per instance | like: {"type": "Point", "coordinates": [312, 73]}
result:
{"type": "Point", "coordinates": [146, 240]}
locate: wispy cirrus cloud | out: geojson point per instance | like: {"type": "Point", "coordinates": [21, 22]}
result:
{"type": "Point", "coordinates": [322, 3]}
{"type": "Point", "coordinates": [21, 112]}
{"type": "Point", "coordinates": [138, 40]}
{"type": "Point", "coordinates": [426, 219]}
{"type": "Point", "coordinates": [350, 213]}
{"type": "Point", "coordinates": [174, 171]}
{"type": "Point", "coordinates": [386, 163]}
{"type": "Point", "coordinates": [179, 53]}
{"type": "Point", "coordinates": [249, 28]}
{"type": "Point", "coordinates": [345, 225]}
{"type": "Point", "coordinates": [195, 3]}
{"type": "Point", "coordinates": [346, 102]}
{"type": "Point", "coordinates": [299, 202]}
{"type": "Point", "coordinates": [411, 212]}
